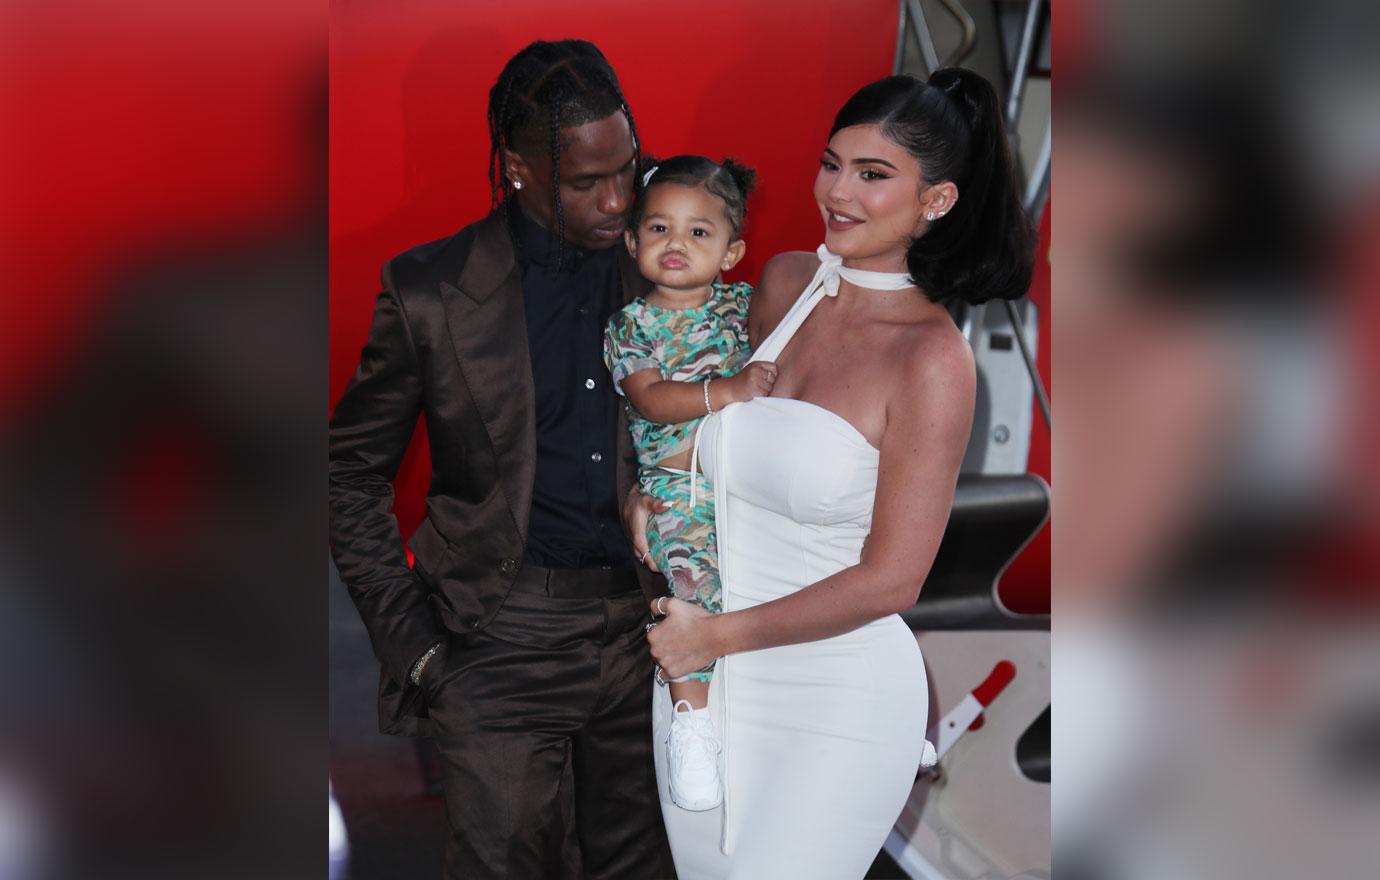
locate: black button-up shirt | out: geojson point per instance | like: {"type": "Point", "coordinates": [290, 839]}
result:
{"type": "Point", "coordinates": [575, 519]}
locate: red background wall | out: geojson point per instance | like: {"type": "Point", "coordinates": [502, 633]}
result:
{"type": "Point", "coordinates": [409, 145]}
{"type": "Point", "coordinates": [124, 136]}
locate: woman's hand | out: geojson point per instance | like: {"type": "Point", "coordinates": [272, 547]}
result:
{"type": "Point", "coordinates": [637, 512]}
{"type": "Point", "coordinates": [680, 641]}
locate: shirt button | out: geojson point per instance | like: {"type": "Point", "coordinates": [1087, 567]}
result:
{"type": "Point", "coordinates": [583, 310]}
{"type": "Point", "coordinates": [589, 383]}
{"type": "Point", "coordinates": [508, 566]}
{"type": "Point", "coordinates": [595, 456]}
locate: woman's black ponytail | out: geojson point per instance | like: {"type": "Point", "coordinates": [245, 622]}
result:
{"type": "Point", "coordinates": [983, 248]}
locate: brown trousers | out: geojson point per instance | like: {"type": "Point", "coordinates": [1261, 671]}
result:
{"type": "Point", "coordinates": [544, 722]}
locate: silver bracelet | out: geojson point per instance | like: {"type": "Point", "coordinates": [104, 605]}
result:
{"type": "Point", "coordinates": [416, 675]}
{"type": "Point", "coordinates": [709, 410]}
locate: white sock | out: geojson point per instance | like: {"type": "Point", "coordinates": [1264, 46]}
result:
{"type": "Point", "coordinates": [698, 714]}
{"type": "Point", "coordinates": [692, 715]}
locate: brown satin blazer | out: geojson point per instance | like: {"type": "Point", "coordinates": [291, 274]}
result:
{"type": "Point", "coordinates": [448, 341]}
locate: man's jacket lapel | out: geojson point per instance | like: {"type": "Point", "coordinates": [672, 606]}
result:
{"type": "Point", "coordinates": [484, 310]}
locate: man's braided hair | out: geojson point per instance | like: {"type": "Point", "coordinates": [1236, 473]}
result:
{"type": "Point", "coordinates": [543, 88]}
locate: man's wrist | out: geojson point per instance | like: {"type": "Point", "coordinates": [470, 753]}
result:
{"type": "Point", "coordinates": [415, 676]}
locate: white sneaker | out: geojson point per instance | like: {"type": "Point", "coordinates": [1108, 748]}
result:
{"type": "Point", "coordinates": [691, 756]}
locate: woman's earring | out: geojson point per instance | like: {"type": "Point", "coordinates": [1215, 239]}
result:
{"type": "Point", "coordinates": [517, 184]}
{"type": "Point", "coordinates": [929, 215]}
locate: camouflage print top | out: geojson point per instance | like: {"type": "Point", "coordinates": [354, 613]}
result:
{"type": "Point", "coordinates": [686, 345]}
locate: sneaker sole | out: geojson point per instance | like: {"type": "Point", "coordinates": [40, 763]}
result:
{"type": "Point", "coordinates": [696, 806]}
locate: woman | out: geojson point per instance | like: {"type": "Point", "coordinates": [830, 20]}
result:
{"type": "Point", "coordinates": [833, 492]}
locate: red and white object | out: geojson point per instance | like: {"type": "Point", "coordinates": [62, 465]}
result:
{"type": "Point", "coordinates": [951, 827]}
{"type": "Point", "coordinates": [967, 715]}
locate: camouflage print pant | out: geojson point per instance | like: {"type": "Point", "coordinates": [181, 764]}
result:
{"type": "Point", "coordinates": [682, 542]}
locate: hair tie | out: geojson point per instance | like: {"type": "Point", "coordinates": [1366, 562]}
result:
{"type": "Point", "coordinates": [950, 90]}
{"type": "Point", "coordinates": [648, 176]}
{"type": "Point", "coordinates": [951, 94]}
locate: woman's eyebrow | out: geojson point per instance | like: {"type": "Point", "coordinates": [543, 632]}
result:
{"type": "Point", "coordinates": [864, 160]}
{"type": "Point", "coordinates": [868, 161]}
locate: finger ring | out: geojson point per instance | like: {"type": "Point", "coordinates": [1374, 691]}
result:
{"type": "Point", "coordinates": [645, 556]}
{"type": "Point", "coordinates": [660, 607]}
{"type": "Point", "coordinates": [650, 625]}
{"type": "Point", "coordinates": [660, 679]}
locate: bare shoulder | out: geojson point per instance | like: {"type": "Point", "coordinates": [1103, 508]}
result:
{"type": "Point", "coordinates": [783, 278]}
{"type": "Point", "coordinates": [790, 268]}
{"type": "Point", "coordinates": [937, 370]}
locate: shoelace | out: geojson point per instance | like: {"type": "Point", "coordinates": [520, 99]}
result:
{"type": "Point", "coordinates": [701, 745]}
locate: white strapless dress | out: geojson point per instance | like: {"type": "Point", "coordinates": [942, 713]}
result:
{"type": "Point", "coordinates": [822, 740]}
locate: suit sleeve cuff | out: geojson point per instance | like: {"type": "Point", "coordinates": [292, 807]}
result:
{"type": "Point", "coordinates": [409, 646]}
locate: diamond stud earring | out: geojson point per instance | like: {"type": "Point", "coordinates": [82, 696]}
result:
{"type": "Point", "coordinates": [929, 215]}
{"type": "Point", "coordinates": [517, 184]}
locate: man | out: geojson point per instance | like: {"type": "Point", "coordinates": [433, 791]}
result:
{"type": "Point", "coordinates": [518, 640]}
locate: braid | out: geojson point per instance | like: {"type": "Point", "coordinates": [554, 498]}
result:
{"type": "Point", "coordinates": [498, 162]}
{"type": "Point", "coordinates": [632, 126]}
{"type": "Point", "coordinates": [495, 159]}
{"type": "Point", "coordinates": [556, 182]}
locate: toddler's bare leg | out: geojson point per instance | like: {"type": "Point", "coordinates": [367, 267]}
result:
{"type": "Point", "coordinates": [694, 692]}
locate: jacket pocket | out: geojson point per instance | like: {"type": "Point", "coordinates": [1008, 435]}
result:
{"type": "Point", "coordinates": [431, 552]}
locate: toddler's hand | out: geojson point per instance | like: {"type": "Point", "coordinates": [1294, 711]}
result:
{"type": "Point", "coordinates": [755, 380]}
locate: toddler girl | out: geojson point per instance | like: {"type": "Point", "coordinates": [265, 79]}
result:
{"type": "Point", "coordinates": [676, 355]}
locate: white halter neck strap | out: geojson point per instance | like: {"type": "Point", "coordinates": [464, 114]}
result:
{"type": "Point", "coordinates": [825, 283]}
{"type": "Point", "coordinates": [831, 269]}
